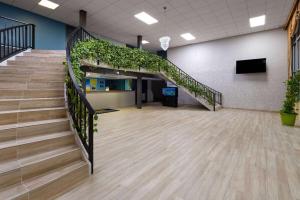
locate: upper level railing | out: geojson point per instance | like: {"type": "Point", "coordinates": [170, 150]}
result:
{"type": "Point", "coordinates": [80, 109]}
{"type": "Point", "coordinates": [6, 22]}
{"type": "Point", "coordinates": [16, 39]}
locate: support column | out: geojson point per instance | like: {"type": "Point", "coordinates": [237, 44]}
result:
{"type": "Point", "coordinates": [139, 42]}
{"type": "Point", "coordinates": [82, 18]}
{"type": "Point", "coordinates": [139, 92]}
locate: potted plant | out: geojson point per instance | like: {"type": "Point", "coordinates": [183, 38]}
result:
{"type": "Point", "coordinates": [288, 113]}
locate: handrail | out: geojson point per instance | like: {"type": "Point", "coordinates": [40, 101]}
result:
{"type": "Point", "coordinates": [213, 95]}
{"type": "Point", "coordinates": [14, 20]}
{"type": "Point", "coordinates": [80, 109]}
{"type": "Point", "coordinates": [16, 39]}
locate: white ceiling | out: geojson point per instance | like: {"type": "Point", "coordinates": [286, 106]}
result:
{"type": "Point", "coordinates": [205, 19]}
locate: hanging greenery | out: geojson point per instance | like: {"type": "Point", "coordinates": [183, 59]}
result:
{"type": "Point", "coordinates": [127, 58]}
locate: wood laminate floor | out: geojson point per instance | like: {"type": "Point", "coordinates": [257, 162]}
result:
{"type": "Point", "coordinates": [190, 154]}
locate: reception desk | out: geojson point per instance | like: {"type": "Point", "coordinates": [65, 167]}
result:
{"type": "Point", "coordinates": [111, 99]}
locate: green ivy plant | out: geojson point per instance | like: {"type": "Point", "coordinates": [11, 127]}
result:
{"type": "Point", "coordinates": [127, 58]}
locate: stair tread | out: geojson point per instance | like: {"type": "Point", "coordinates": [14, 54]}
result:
{"type": "Point", "coordinates": [30, 110]}
{"type": "Point", "coordinates": [33, 123]}
{"type": "Point", "coordinates": [9, 165]}
{"type": "Point", "coordinates": [33, 139]}
{"type": "Point", "coordinates": [13, 191]}
{"type": "Point", "coordinates": [50, 176]}
{"type": "Point", "coordinates": [33, 99]}
{"type": "Point", "coordinates": [14, 164]}
{"type": "Point", "coordinates": [46, 155]}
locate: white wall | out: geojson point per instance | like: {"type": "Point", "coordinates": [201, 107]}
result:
{"type": "Point", "coordinates": [213, 63]}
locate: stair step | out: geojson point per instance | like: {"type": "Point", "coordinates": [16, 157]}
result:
{"type": "Point", "coordinates": [21, 104]}
{"type": "Point", "coordinates": [22, 94]}
{"type": "Point", "coordinates": [19, 116]}
{"type": "Point", "coordinates": [34, 165]}
{"type": "Point", "coordinates": [11, 84]}
{"type": "Point", "coordinates": [29, 146]}
{"type": "Point", "coordinates": [49, 59]}
{"type": "Point", "coordinates": [32, 69]}
{"type": "Point", "coordinates": [32, 77]}
{"type": "Point", "coordinates": [48, 185]}
{"type": "Point", "coordinates": [44, 54]}
{"type": "Point", "coordinates": [55, 182]}
{"type": "Point", "coordinates": [29, 129]}
{"type": "Point", "coordinates": [63, 52]}
{"type": "Point", "coordinates": [35, 63]}
{"type": "Point", "coordinates": [18, 191]}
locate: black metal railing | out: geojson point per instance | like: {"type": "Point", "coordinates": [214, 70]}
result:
{"type": "Point", "coordinates": [80, 109]}
{"type": "Point", "coordinates": [6, 22]}
{"type": "Point", "coordinates": [210, 95]}
{"type": "Point", "coordinates": [16, 39]}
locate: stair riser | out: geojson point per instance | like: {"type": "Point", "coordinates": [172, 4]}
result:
{"type": "Point", "coordinates": [40, 59]}
{"type": "Point", "coordinates": [43, 129]}
{"type": "Point", "coordinates": [31, 70]}
{"type": "Point", "coordinates": [10, 178]}
{"type": "Point", "coordinates": [8, 134]}
{"type": "Point", "coordinates": [12, 118]}
{"type": "Point", "coordinates": [31, 77]}
{"type": "Point", "coordinates": [37, 169]}
{"type": "Point", "coordinates": [31, 85]}
{"type": "Point", "coordinates": [63, 52]}
{"type": "Point", "coordinates": [30, 104]}
{"type": "Point", "coordinates": [35, 130]}
{"type": "Point", "coordinates": [55, 188]}
{"type": "Point", "coordinates": [19, 94]}
{"type": "Point", "coordinates": [43, 146]}
{"type": "Point", "coordinates": [46, 85]}
{"type": "Point", "coordinates": [35, 63]}
{"type": "Point", "coordinates": [43, 55]}
{"type": "Point", "coordinates": [20, 151]}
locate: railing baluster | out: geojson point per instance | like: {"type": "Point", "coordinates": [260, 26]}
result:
{"type": "Point", "coordinates": [91, 141]}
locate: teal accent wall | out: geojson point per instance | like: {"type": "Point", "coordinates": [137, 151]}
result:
{"type": "Point", "coordinates": [50, 34]}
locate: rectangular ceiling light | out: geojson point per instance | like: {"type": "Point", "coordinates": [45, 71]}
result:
{"type": "Point", "coordinates": [48, 4]}
{"type": "Point", "coordinates": [187, 36]}
{"type": "Point", "coordinates": [146, 18]}
{"type": "Point", "coordinates": [257, 21]}
{"type": "Point", "coordinates": [145, 42]}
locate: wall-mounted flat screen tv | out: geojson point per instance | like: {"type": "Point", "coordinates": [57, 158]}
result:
{"type": "Point", "coordinates": [170, 91]}
{"type": "Point", "coordinates": [251, 66]}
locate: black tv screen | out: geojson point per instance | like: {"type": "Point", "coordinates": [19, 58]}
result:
{"type": "Point", "coordinates": [251, 66]}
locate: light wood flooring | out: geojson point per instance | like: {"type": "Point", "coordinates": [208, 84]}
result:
{"type": "Point", "coordinates": [190, 154]}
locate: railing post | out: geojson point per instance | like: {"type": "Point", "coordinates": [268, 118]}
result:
{"type": "Point", "coordinates": [91, 141]}
{"type": "Point", "coordinates": [33, 36]}
{"type": "Point", "coordinates": [26, 37]}
{"type": "Point", "coordinates": [214, 101]}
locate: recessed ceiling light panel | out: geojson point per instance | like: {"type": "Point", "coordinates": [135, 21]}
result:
{"type": "Point", "coordinates": [257, 21]}
{"type": "Point", "coordinates": [48, 4]}
{"type": "Point", "coordinates": [146, 18]}
{"type": "Point", "coordinates": [145, 42]}
{"type": "Point", "coordinates": [188, 36]}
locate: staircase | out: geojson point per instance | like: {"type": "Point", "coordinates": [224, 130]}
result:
{"type": "Point", "coordinates": [212, 106]}
{"type": "Point", "coordinates": [39, 158]}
